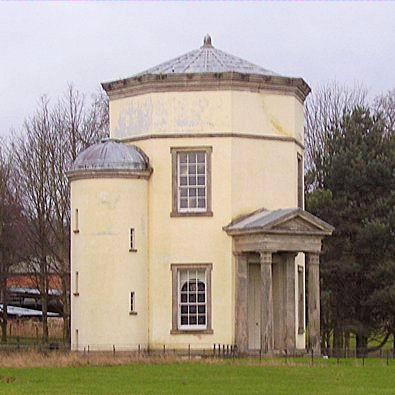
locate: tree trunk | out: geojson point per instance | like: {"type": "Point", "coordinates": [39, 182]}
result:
{"type": "Point", "coordinates": [44, 298]}
{"type": "Point", "coordinates": [337, 341]}
{"type": "Point", "coordinates": [3, 285]}
{"type": "Point", "coordinates": [326, 336]}
{"type": "Point", "coordinates": [4, 318]}
{"type": "Point", "coordinates": [66, 313]}
{"type": "Point", "coordinates": [347, 340]}
{"type": "Point", "coordinates": [44, 308]}
{"type": "Point", "coordinates": [361, 344]}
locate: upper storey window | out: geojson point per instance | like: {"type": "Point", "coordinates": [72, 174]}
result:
{"type": "Point", "coordinates": [191, 181]}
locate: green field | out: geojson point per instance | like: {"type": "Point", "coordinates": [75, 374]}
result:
{"type": "Point", "coordinates": [228, 377]}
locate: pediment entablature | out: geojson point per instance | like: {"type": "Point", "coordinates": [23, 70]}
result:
{"type": "Point", "coordinates": [300, 223]}
{"type": "Point", "coordinates": [284, 221]}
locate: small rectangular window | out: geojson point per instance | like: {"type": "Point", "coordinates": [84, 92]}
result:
{"type": "Point", "coordinates": [132, 303]}
{"type": "Point", "coordinates": [75, 220]}
{"type": "Point", "coordinates": [300, 301]}
{"type": "Point", "coordinates": [76, 293]}
{"type": "Point", "coordinates": [132, 241]}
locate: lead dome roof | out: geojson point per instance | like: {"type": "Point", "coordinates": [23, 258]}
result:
{"type": "Point", "coordinates": [207, 59]}
{"type": "Point", "coordinates": [111, 154]}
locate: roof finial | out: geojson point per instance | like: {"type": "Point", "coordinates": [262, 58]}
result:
{"type": "Point", "coordinates": [207, 41]}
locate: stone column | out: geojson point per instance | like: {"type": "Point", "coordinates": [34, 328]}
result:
{"type": "Point", "coordinates": [290, 326]}
{"type": "Point", "coordinates": [267, 339]}
{"type": "Point", "coordinates": [313, 303]}
{"type": "Point", "coordinates": [241, 321]}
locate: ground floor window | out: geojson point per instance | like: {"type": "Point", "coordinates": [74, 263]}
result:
{"type": "Point", "coordinates": [191, 297]}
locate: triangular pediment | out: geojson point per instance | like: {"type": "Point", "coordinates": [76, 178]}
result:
{"type": "Point", "coordinates": [290, 221]}
{"type": "Point", "coordinates": [298, 224]}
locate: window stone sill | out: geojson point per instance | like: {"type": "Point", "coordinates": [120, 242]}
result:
{"type": "Point", "coordinates": [132, 250]}
{"type": "Point", "coordinates": [132, 312]}
{"type": "Point", "coordinates": [76, 293]}
{"type": "Point", "coordinates": [191, 214]}
{"type": "Point", "coordinates": [191, 332]}
{"type": "Point", "coordinates": [76, 231]}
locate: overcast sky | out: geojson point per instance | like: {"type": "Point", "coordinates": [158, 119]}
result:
{"type": "Point", "coordinates": [45, 46]}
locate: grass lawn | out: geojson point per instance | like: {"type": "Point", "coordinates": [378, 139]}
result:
{"type": "Point", "coordinates": [228, 377]}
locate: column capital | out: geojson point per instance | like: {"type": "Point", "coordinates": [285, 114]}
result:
{"type": "Point", "coordinates": [266, 257]}
{"type": "Point", "coordinates": [313, 258]}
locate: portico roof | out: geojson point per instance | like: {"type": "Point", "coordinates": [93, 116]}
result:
{"type": "Point", "coordinates": [282, 221]}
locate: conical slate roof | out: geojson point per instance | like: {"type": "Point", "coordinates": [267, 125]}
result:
{"type": "Point", "coordinates": [204, 69]}
{"type": "Point", "coordinates": [207, 59]}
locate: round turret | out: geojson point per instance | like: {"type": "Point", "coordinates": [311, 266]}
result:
{"type": "Point", "coordinates": [109, 263]}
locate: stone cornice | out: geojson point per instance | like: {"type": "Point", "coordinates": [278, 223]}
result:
{"type": "Point", "coordinates": [258, 230]}
{"type": "Point", "coordinates": [107, 173]}
{"type": "Point", "coordinates": [151, 83]}
{"type": "Point", "coordinates": [206, 135]}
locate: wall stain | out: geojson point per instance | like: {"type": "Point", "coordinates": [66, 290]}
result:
{"type": "Point", "coordinates": [279, 128]}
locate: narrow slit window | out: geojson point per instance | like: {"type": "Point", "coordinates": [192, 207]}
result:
{"type": "Point", "coordinates": [132, 303]}
{"type": "Point", "coordinates": [76, 228]}
{"type": "Point", "coordinates": [76, 293]}
{"type": "Point", "coordinates": [132, 240]}
{"type": "Point", "coordinates": [76, 339]}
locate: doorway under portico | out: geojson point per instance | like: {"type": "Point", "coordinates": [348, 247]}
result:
{"type": "Point", "coordinates": [288, 301]}
{"type": "Point", "coordinates": [270, 283]}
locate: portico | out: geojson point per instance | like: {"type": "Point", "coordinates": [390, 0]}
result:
{"type": "Point", "coordinates": [270, 285]}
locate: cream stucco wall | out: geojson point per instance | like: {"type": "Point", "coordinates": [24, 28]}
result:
{"type": "Point", "coordinates": [262, 113]}
{"type": "Point", "coordinates": [264, 174]}
{"type": "Point", "coordinates": [248, 173]}
{"type": "Point", "coordinates": [189, 240]}
{"type": "Point", "coordinates": [107, 270]}
{"type": "Point", "coordinates": [170, 112]}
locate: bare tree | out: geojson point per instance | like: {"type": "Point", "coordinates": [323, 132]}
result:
{"type": "Point", "coordinates": [10, 228]}
{"type": "Point", "coordinates": [76, 125]}
{"type": "Point", "coordinates": [50, 142]}
{"type": "Point", "coordinates": [33, 171]}
{"type": "Point", "coordinates": [324, 110]}
{"type": "Point", "coordinates": [385, 106]}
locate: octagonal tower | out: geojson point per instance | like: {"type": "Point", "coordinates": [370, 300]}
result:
{"type": "Point", "coordinates": [225, 139]}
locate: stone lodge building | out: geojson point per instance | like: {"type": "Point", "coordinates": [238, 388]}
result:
{"type": "Point", "coordinates": [187, 223]}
